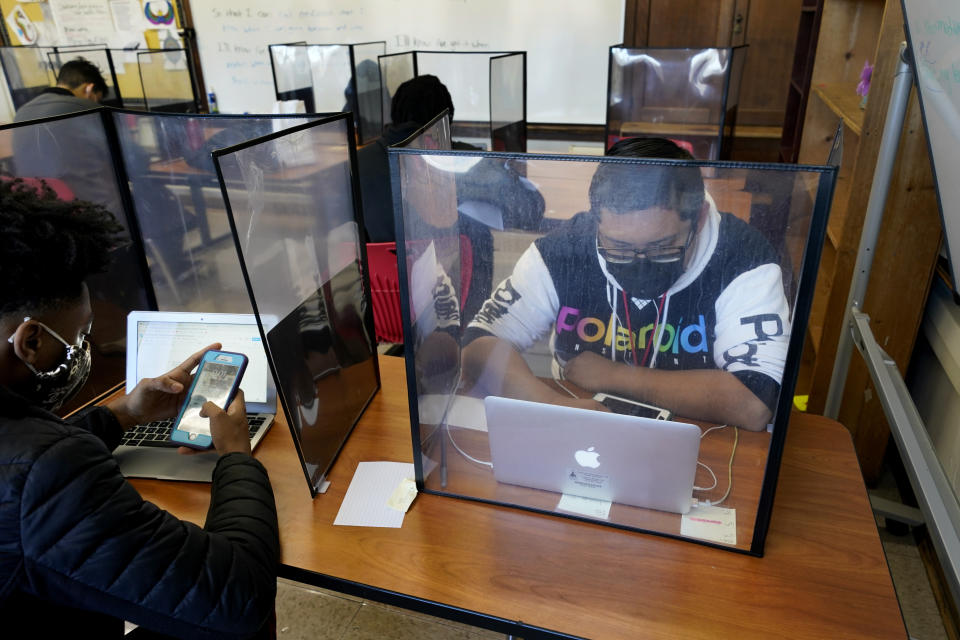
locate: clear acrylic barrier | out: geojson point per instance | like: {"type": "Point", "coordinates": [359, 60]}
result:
{"type": "Point", "coordinates": [297, 232]}
{"type": "Point", "coordinates": [331, 77]}
{"type": "Point", "coordinates": [101, 58]}
{"type": "Point", "coordinates": [366, 72]}
{"type": "Point", "coordinates": [395, 69]}
{"type": "Point", "coordinates": [28, 72]}
{"type": "Point", "coordinates": [508, 102]}
{"type": "Point", "coordinates": [467, 77]}
{"type": "Point", "coordinates": [734, 249]}
{"type": "Point", "coordinates": [291, 67]}
{"type": "Point", "coordinates": [177, 200]}
{"type": "Point", "coordinates": [47, 150]}
{"type": "Point", "coordinates": [165, 81]}
{"type": "Point", "coordinates": [687, 95]}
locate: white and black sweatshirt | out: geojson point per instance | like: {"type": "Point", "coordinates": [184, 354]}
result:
{"type": "Point", "coordinates": [727, 311]}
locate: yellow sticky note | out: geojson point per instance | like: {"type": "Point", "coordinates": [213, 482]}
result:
{"type": "Point", "coordinates": [403, 495]}
{"type": "Point", "coordinates": [800, 402]}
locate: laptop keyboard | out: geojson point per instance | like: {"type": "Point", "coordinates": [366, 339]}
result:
{"type": "Point", "coordinates": [157, 433]}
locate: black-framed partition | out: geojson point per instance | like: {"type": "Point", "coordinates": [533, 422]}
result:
{"type": "Point", "coordinates": [150, 79]}
{"type": "Point", "coordinates": [488, 90]}
{"type": "Point", "coordinates": [166, 81]}
{"type": "Point", "coordinates": [45, 151]}
{"type": "Point", "coordinates": [155, 173]}
{"type": "Point", "coordinates": [688, 95]}
{"type": "Point", "coordinates": [297, 232]}
{"type": "Point", "coordinates": [27, 71]}
{"type": "Point", "coordinates": [176, 197]}
{"type": "Point", "coordinates": [560, 327]}
{"type": "Point", "coordinates": [331, 78]}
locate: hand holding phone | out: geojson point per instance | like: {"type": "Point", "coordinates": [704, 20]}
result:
{"type": "Point", "coordinates": [217, 380]}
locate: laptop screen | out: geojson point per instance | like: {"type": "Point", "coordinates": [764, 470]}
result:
{"type": "Point", "coordinates": [163, 343]}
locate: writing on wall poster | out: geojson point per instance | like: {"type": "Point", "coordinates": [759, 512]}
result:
{"type": "Point", "coordinates": [83, 21]}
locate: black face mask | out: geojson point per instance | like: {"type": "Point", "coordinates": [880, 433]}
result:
{"type": "Point", "coordinates": [644, 278]}
{"type": "Point", "coordinates": [52, 389]}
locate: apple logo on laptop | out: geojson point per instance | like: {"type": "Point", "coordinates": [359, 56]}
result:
{"type": "Point", "coordinates": [588, 458]}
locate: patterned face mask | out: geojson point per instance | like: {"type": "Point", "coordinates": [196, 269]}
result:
{"type": "Point", "coordinates": [50, 390]}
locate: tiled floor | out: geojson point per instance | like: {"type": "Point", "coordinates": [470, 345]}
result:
{"type": "Point", "coordinates": [305, 612]}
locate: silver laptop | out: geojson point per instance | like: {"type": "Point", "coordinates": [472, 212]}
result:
{"type": "Point", "coordinates": [605, 456]}
{"type": "Point", "coordinates": [158, 341]}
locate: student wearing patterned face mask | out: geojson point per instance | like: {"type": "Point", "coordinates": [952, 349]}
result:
{"type": "Point", "coordinates": [652, 294]}
{"type": "Point", "coordinates": [80, 551]}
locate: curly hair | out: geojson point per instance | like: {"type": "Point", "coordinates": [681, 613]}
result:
{"type": "Point", "coordinates": [48, 246]}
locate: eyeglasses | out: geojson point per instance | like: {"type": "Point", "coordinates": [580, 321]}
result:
{"type": "Point", "coordinates": [626, 254]}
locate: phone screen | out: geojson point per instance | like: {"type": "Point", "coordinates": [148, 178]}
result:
{"type": "Point", "coordinates": [214, 382]}
{"type": "Point", "coordinates": [632, 408]}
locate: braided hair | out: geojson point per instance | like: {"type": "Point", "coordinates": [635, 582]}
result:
{"type": "Point", "coordinates": [48, 246]}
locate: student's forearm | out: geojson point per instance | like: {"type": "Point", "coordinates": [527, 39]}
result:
{"type": "Point", "coordinates": [495, 367]}
{"type": "Point", "coordinates": [700, 394]}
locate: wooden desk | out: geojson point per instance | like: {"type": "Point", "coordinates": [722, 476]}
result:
{"type": "Point", "coordinates": [823, 576]}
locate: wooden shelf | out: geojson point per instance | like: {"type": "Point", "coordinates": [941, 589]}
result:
{"type": "Point", "coordinates": [843, 100]}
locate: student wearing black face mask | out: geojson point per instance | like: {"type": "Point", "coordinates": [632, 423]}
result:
{"type": "Point", "coordinates": [652, 295]}
{"type": "Point", "coordinates": [80, 551]}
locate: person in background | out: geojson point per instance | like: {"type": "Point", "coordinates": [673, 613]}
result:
{"type": "Point", "coordinates": [415, 103]}
{"type": "Point", "coordinates": [652, 294]}
{"type": "Point", "coordinates": [80, 86]}
{"type": "Point", "coordinates": [80, 550]}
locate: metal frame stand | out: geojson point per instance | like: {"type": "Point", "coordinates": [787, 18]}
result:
{"type": "Point", "coordinates": [938, 504]}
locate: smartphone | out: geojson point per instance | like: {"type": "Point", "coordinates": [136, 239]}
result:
{"type": "Point", "coordinates": [217, 379]}
{"type": "Point", "coordinates": [632, 407]}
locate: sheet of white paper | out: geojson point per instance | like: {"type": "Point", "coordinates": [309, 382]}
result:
{"type": "Point", "coordinates": [710, 523]}
{"type": "Point", "coordinates": [585, 506]}
{"type": "Point", "coordinates": [365, 504]}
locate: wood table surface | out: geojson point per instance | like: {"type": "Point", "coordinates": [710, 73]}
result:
{"type": "Point", "coordinates": [823, 574]}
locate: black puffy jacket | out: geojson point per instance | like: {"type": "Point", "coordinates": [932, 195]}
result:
{"type": "Point", "coordinates": [80, 550]}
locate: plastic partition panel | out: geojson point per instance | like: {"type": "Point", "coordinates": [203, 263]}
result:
{"type": "Point", "coordinates": [738, 60]}
{"type": "Point", "coordinates": [395, 69]}
{"type": "Point", "coordinates": [331, 77]}
{"type": "Point", "coordinates": [28, 73]}
{"type": "Point", "coordinates": [177, 200]}
{"type": "Point", "coordinates": [291, 68]}
{"type": "Point", "coordinates": [100, 58]}
{"type": "Point", "coordinates": [166, 81]}
{"type": "Point", "coordinates": [368, 105]}
{"type": "Point", "coordinates": [684, 285]}
{"type": "Point", "coordinates": [47, 150]}
{"type": "Point", "coordinates": [298, 236]}
{"type": "Point", "coordinates": [467, 77]}
{"type": "Point", "coordinates": [508, 117]}
{"type": "Point", "coordinates": [669, 93]}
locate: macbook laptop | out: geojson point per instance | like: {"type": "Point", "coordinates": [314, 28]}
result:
{"type": "Point", "coordinates": [158, 341]}
{"type": "Point", "coordinates": [631, 460]}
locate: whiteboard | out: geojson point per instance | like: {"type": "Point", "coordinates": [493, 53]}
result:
{"type": "Point", "coordinates": [933, 31]}
{"type": "Point", "coordinates": [567, 43]}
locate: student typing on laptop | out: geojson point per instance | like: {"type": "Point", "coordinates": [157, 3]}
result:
{"type": "Point", "coordinates": [80, 550]}
{"type": "Point", "coordinates": [652, 294]}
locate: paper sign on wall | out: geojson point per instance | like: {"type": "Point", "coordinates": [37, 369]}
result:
{"type": "Point", "coordinates": [22, 26]}
{"type": "Point", "coordinates": [83, 21]}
